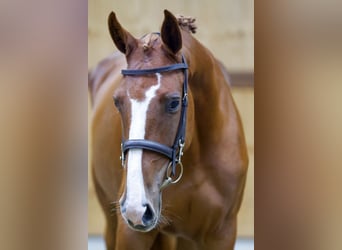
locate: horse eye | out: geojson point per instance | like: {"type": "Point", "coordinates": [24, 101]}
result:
{"type": "Point", "coordinates": [116, 102]}
{"type": "Point", "coordinates": [173, 105]}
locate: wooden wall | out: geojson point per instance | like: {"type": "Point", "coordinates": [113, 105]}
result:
{"type": "Point", "coordinates": [225, 27]}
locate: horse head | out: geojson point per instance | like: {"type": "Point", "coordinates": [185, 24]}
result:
{"type": "Point", "coordinates": [151, 99]}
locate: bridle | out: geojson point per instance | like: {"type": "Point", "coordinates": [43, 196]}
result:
{"type": "Point", "coordinates": [175, 152]}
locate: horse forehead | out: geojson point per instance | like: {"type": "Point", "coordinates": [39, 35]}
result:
{"type": "Point", "coordinates": [136, 87]}
{"type": "Point", "coordinates": [149, 52]}
{"type": "Point", "coordinates": [137, 90]}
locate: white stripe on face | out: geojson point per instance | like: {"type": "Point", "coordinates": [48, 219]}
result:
{"type": "Point", "coordinates": [135, 190]}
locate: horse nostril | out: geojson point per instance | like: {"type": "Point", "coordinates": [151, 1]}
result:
{"type": "Point", "coordinates": [148, 215]}
{"type": "Point", "coordinates": [130, 222]}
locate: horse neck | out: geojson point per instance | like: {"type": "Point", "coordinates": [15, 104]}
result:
{"type": "Point", "coordinates": [209, 89]}
{"type": "Point", "coordinates": [206, 76]}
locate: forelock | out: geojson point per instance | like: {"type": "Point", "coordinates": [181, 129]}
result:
{"type": "Point", "coordinates": [149, 41]}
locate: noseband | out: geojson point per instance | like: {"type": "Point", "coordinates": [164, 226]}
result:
{"type": "Point", "coordinates": [175, 152]}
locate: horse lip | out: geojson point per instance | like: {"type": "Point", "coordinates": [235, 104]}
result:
{"type": "Point", "coordinates": [142, 228]}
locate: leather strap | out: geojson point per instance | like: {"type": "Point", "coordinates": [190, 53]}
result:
{"type": "Point", "coordinates": [150, 145]}
{"type": "Point", "coordinates": [138, 72]}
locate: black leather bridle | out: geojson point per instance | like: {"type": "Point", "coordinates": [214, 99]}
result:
{"type": "Point", "coordinates": [175, 152]}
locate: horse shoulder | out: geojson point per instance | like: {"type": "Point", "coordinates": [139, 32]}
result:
{"type": "Point", "coordinates": [225, 161]}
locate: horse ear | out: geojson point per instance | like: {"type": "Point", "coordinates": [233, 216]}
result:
{"type": "Point", "coordinates": [170, 32]}
{"type": "Point", "coordinates": [123, 40]}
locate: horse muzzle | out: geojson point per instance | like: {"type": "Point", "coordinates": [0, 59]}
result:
{"type": "Point", "coordinates": [141, 218]}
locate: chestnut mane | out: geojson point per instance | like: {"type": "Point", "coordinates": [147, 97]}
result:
{"type": "Point", "coordinates": [187, 23]}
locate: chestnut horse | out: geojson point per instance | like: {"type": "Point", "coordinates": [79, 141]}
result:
{"type": "Point", "coordinates": [173, 108]}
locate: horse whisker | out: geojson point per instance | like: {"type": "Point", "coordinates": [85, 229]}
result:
{"type": "Point", "coordinates": [114, 208]}
{"type": "Point", "coordinates": [169, 213]}
{"type": "Point", "coordinates": [163, 221]}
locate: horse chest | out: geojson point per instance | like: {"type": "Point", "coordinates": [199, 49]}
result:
{"type": "Point", "coordinates": [199, 208]}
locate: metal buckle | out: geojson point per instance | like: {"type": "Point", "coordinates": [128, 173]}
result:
{"type": "Point", "coordinates": [122, 157]}
{"type": "Point", "coordinates": [185, 100]}
{"type": "Point", "coordinates": [180, 153]}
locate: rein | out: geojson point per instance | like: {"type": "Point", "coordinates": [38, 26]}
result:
{"type": "Point", "coordinates": [175, 152]}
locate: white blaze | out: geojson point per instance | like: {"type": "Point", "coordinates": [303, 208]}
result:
{"type": "Point", "coordinates": [135, 184]}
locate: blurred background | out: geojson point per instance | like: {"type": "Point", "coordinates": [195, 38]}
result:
{"type": "Point", "coordinates": [225, 27]}
{"type": "Point", "coordinates": [298, 116]}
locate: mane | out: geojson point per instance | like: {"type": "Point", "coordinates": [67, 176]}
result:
{"type": "Point", "coordinates": [187, 23]}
